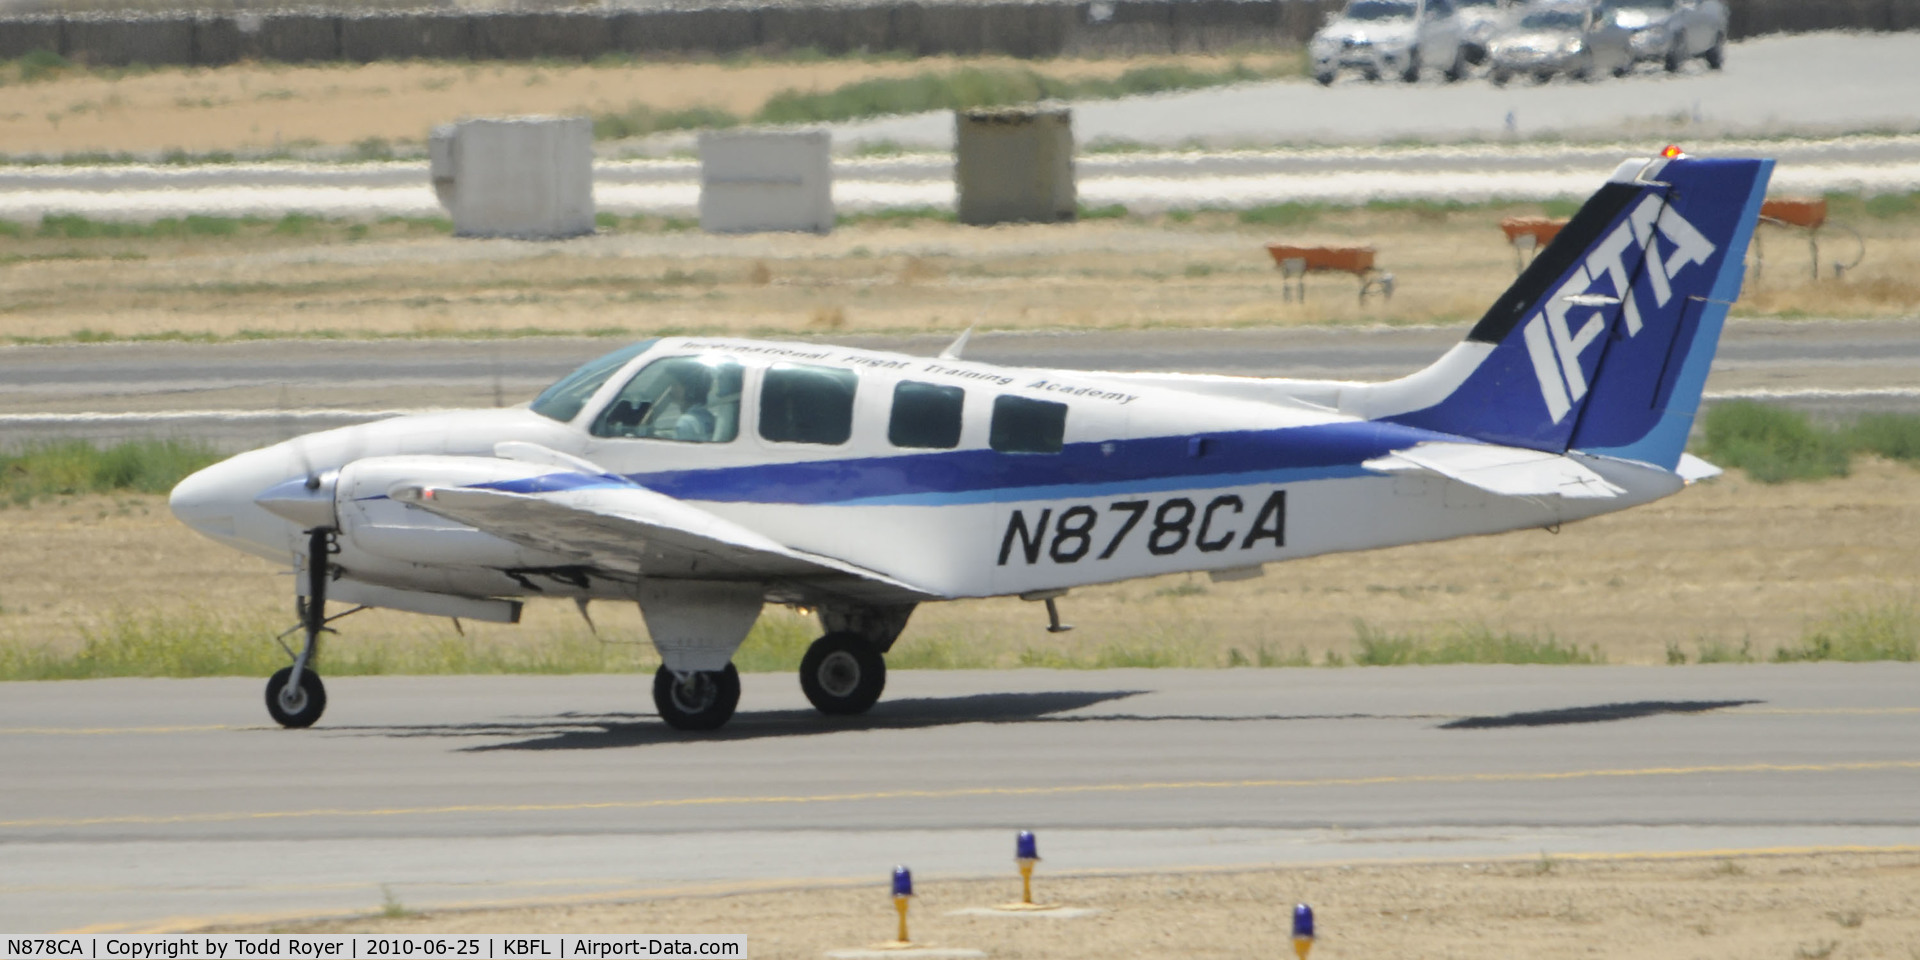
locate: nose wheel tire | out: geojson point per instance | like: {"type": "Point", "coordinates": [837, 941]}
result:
{"type": "Point", "coordinates": [842, 674]}
{"type": "Point", "coordinates": [704, 700]}
{"type": "Point", "coordinates": [296, 706]}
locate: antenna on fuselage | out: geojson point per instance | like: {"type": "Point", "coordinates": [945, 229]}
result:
{"type": "Point", "coordinates": [952, 352]}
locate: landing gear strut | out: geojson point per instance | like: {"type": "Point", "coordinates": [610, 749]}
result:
{"type": "Point", "coordinates": [295, 695]}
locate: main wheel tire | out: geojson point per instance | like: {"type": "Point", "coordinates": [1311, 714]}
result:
{"type": "Point", "coordinates": [705, 702]}
{"type": "Point", "coordinates": [300, 706]}
{"type": "Point", "coordinates": [1412, 74]}
{"type": "Point", "coordinates": [1716, 55]}
{"type": "Point", "coordinates": [1500, 78]}
{"type": "Point", "coordinates": [1675, 59]}
{"type": "Point", "coordinates": [1458, 71]}
{"type": "Point", "coordinates": [843, 674]}
{"type": "Point", "coordinates": [1323, 79]}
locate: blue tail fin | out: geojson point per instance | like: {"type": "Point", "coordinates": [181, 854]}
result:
{"type": "Point", "coordinates": [1603, 343]}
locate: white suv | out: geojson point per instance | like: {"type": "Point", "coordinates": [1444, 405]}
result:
{"type": "Point", "coordinates": [1671, 32]}
{"type": "Point", "coordinates": [1394, 38]}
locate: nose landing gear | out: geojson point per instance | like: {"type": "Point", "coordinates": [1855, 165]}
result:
{"type": "Point", "coordinates": [295, 695]}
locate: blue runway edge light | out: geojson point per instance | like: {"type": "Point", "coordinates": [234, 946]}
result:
{"type": "Point", "coordinates": [1303, 921]}
{"type": "Point", "coordinates": [1024, 846]}
{"type": "Point", "coordinates": [902, 882]}
{"type": "Point", "coordinates": [1302, 930]}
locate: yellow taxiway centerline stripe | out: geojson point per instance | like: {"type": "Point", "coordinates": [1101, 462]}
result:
{"type": "Point", "coordinates": [962, 792]}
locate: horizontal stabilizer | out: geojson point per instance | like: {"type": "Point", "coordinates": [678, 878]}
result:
{"type": "Point", "coordinates": [1692, 469]}
{"type": "Point", "coordinates": [1506, 471]}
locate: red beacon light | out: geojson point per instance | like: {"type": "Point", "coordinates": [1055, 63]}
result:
{"type": "Point", "coordinates": [1672, 152]}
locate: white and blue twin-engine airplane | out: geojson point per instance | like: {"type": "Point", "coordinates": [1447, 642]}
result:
{"type": "Point", "coordinates": [704, 477]}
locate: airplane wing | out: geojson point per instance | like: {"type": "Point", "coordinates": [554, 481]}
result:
{"type": "Point", "coordinates": [1506, 471]}
{"type": "Point", "coordinates": [637, 532]}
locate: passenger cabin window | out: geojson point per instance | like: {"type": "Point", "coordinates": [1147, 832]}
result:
{"type": "Point", "coordinates": [806, 404]}
{"type": "Point", "coordinates": [690, 399]}
{"type": "Point", "coordinates": [563, 400]}
{"type": "Point", "coordinates": [1021, 425]}
{"type": "Point", "coordinates": [926, 415]}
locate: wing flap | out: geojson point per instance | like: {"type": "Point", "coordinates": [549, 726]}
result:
{"type": "Point", "coordinates": [1505, 471]}
{"type": "Point", "coordinates": [640, 532]}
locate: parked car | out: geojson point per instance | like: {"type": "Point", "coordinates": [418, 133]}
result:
{"type": "Point", "coordinates": [1570, 39]}
{"type": "Point", "coordinates": [1480, 22]}
{"type": "Point", "coordinates": [1671, 32]}
{"type": "Point", "coordinates": [1390, 37]}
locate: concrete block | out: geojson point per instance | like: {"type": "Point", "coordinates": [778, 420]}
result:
{"type": "Point", "coordinates": [294, 37]}
{"type": "Point", "coordinates": [710, 30]}
{"type": "Point", "coordinates": [407, 36]}
{"type": "Point", "coordinates": [119, 41]}
{"type": "Point", "coordinates": [528, 36]}
{"type": "Point", "coordinates": [23, 36]}
{"type": "Point", "coordinates": [1015, 165]}
{"type": "Point", "coordinates": [217, 41]}
{"type": "Point", "coordinates": [527, 177]}
{"type": "Point", "coordinates": [752, 182]}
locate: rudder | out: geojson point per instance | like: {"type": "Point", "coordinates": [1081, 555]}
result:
{"type": "Point", "coordinates": [1603, 343]}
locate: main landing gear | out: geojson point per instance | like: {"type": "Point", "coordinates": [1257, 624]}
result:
{"type": "Point", "coordinates": [697, 700]}
{"type": "Point", "coordinates": [842, 673]}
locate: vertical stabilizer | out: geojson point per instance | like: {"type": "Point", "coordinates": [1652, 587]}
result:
{"type": "Point", "coordinates": [1603, 343]}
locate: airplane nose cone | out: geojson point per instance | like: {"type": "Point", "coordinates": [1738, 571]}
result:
{"type": "Point", "coordinates": [207, 500]}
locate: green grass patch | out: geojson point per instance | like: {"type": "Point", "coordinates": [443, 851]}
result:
{"type": "Point", "coordinates": [73, 467]}
{"type": "Point", "coordinates": [639, 120]}
{"type": "Point", "coordinates": [198, 644]}
{"type": "Point", "coordinates": [1465, 643]}
{"type": "Point", "coordinates": [1863, 632]}
{"type": "Point", "coordinates": [1891, 435]}
{"type": "Point", "coordinates": [1773, 444]}
{"type": "Point", "coordinates": [969, 88]}
{"type": "Point", "coordinates": [1281, 214]}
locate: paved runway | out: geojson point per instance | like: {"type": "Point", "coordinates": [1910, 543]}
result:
{"type": "Point", "coordinates": [244, 394]}
{"type": "Point", "coordinates": [141, 804]}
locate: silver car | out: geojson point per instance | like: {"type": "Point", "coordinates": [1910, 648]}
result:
{"type": "Point", "coordinates": [1671, 32]}
{"type": "Point", "coordinates": [1569, 39]}
{"type": "Point", "coordinates": [1393, 38]}
{"type": "Point", "coordinates": [1480, 22]}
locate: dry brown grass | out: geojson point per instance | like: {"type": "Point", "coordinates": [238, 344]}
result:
{"type": "Point", "coordinates": [868, 276]}
{"type": "Point", "coordinates": [879, 275]}
{"type": "Point", "coordinates": [1727, 563]}
{"type": "Point", "coordinates": [1847, 905]}
{"type": "Point", "coordinates": [259, 107]}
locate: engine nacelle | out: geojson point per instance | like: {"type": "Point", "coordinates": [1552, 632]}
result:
{"type": "Point", "coordinates": [371, 521]}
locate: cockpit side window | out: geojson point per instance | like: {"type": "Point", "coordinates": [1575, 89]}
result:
{"type": "Point", "coordinates": [690, 399]}
{"type": "Point", "coordinates": [1021, 425]}
{"type": "Point", "coordinates": [926, 415]}
{"type": "Point", "coordinates": [563, 400]}
{"type": "Point", "coordinates": [807, 404]}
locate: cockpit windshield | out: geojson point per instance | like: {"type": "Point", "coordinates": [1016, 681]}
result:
{"type": "Point", "coordinates": [563, 400]}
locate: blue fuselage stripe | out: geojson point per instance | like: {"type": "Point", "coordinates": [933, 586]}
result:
{"type": "Point", "coordinates": [1097, 468]}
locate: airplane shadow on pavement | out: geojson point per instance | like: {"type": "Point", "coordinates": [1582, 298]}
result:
{"type": "Point", "coordinates": [595, 731]}
{"type": "Point", "coordinates": [1599, 713]}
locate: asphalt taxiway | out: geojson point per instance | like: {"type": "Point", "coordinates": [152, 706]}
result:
{"type": "Point", "coordinates": [171, 804]}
